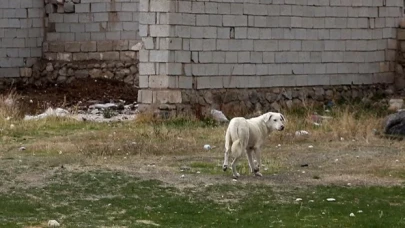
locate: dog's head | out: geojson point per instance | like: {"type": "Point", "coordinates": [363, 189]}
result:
{"type": "Point", "coordinates": [274, 121]}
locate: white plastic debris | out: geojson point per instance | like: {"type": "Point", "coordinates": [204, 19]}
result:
{"type": "Point", "coordinates": [58, 112]}
{"type": "Point", "coordinates": [301, 132]}
{"type": "Point", "coordinates": [331, 199]}
{"type": "Point", "coordinates": [53, 223]}
{"type": "Point", "coordinates": [234, 180]}
{"type": "Point", "coordinates": [198, 172]}
{"type": "Point", "coordinates": [207, 147]}
{"type": "Point", "coordinates": [298, 199]}
{"type": "Point", "coordinates": [219, 116]}
{"type": "Point", "coordinates": [103, 106]}
{"type": "Point", "coordinates": [182, 176]}
{"type": "Point", "coordinates": [359, 211]}
{"type": "Point", "coordinates": [352, 215]}
{"type": "Point", "coordinates": [310, 146]}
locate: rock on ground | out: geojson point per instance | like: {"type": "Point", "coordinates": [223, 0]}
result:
{"type": "Point", "coordinates": [395, 124]}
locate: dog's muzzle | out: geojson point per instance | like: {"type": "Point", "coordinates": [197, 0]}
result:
{"type": "Point", "coordinates": [281, 128]}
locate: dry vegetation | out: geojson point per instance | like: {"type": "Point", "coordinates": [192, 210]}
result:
{"type": "Point", "coordinates": [350, 134]}
{"type": "Point", "coordinates": [82, 160]}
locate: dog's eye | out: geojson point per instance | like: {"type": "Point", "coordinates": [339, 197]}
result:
{"type": "Point", "coordinates": [275, 120]}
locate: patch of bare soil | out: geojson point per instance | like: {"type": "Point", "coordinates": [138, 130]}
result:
{"type": "Point", "coordinates": [345, 165]}
{"type": "Point", "coordinates": [80, 92]}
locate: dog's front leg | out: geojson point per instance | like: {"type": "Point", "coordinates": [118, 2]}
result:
{"type": "Point", "coordinates": [259, 163]}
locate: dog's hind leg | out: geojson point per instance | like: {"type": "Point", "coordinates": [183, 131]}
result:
{"type": "Point", "coordinates": [228, 145]}
{"type": "Point", "coordinates": [237, 151]}
{"type": "Point", "coordinates": [250, 159]}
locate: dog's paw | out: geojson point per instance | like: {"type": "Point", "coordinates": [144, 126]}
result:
{"type": "Point", "coordinates": [258, 174]}
{"type": "Point", "coordinates": [224, 167]}
{"type": "Point", "coordinates": [236, 176]}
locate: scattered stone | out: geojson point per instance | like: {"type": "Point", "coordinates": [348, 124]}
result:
{"type": "Point", "coordinates": [219, 116]}
{"type": "Point", "coordinates": [301, 132]}
{"type": "Point", "coordinates": [104, 106]}
{"type": "Point", "coordinates": [352, 215]}
{"type": "Point", "coordinates": [147, 222]}
{"type": "Point", "coordinates": [331, 199]}
{"type": "Point", "coordinates": [22, 148]}
{"type": "Point", "coordinates": [185, 168]}
{"type": "Point", "coordinates": [310, 146]}
{"type": "Point", "coordinates": [53, 223]}
{"type": "Point", "coordinates": [395, 104]}
{"type": "Point", "coordinates": [298, 199]}
{"type": "Point", "coordinates": [207, 147]}
{"type": "Point", "coordinates": [182, 176]}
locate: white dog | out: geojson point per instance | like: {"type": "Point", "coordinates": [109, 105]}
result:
{"type": "Point", "coordinates": [247, 136]}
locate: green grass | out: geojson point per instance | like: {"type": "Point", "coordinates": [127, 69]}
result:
{"type": "Point", "coordinates": [96, 198]}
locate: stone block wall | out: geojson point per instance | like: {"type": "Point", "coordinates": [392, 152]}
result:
{"type": "Point", "coordinates": [90, 34]}
{"type": "Point", "coordinates": [223, 45]}
{"type": "Point", "coordinates": [21, 37]}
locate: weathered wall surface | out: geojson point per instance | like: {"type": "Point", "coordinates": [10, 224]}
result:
{"type": "Point", "coordinates": [75, 38]}
{"type": "Point", "coordinates": [194, 45]}
{"type": "Point", "coordinates": [93, 34]}
{"type": "Point", "coordinates": [21, 36]}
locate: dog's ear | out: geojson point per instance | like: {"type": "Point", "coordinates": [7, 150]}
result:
{"type": "Point", "coordinates": [282, 117]}
{"type": "Point", "coordinates": [270, 117]}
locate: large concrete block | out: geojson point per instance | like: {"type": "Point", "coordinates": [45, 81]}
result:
{"type": "Point", "coordinates": [145, 96]}
{"type": "Point", "coordinates": [147, 69]}
{"type": "Point", "coordinates": [72, 47]}
{"type": "Point", "coordinates": [144, 83]}
{"type": "Point", "coordinates": [234, 20]}
{"type": "Point", "coordinates": [185, 82]}
{"type": "Point", "coordinates": [162, 81]}
{"type": "Point", "coordinates": [161, 56]}
{"type": "Point", "coordinates": [167, 97]}
{"type": "Point", "coordinates": [182, 56]}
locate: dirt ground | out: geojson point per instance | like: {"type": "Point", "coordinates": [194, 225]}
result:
{"type": "Point", "coordinates": [341, 164]}
{"type": "Point", "coordinates": [81, 92]}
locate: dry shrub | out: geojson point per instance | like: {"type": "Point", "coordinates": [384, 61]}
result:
{"type": "Point", "coordinates": [9, 108]}
{"type": "Point", "coordinates": [347, 122]}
